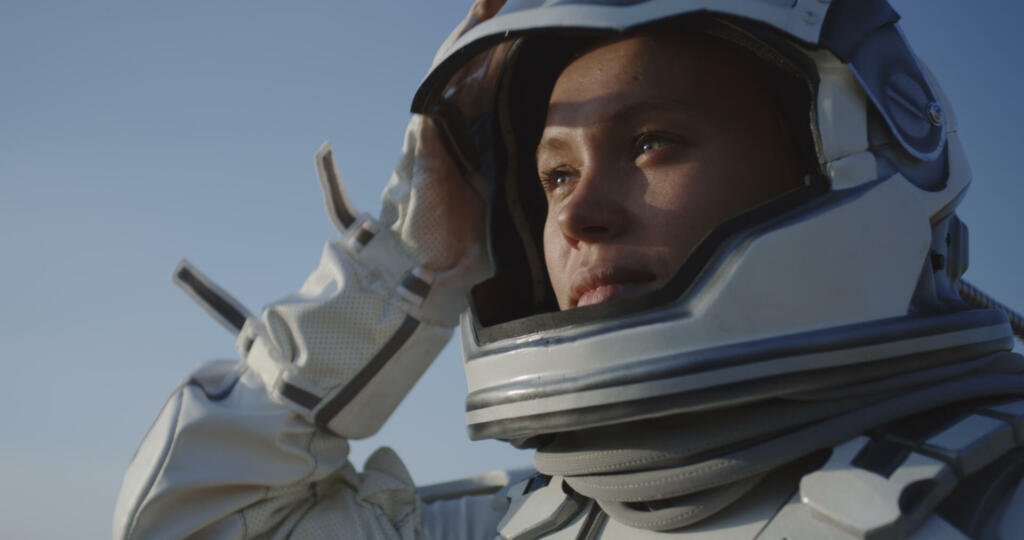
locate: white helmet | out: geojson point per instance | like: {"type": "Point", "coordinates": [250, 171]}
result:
{"type": "Point", "coordinates": [851, 276]}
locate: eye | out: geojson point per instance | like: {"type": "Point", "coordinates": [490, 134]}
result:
{"type": "Point", "coordinates": [652, 144]}
{"type": "Point", "coordinates": [555, 178]}
{"type": "Point", "coordinates": [650, 141]}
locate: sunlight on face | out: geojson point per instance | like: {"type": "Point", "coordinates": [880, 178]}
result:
{"type": "Point", "coordinates": [648, 144]}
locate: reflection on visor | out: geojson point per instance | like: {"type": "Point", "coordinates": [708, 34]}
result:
{"type": "Point", "coordinates": [519, 5]}
{"type": "Point", "coordinates": [464, 109]}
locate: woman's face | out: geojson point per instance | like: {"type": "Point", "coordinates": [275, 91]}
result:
{"type": "Point", "coordinates": [649, 143]}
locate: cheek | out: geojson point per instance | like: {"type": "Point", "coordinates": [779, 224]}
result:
{"type": "Point", "coordinates": [684, 204]}
{"type": "Point", "coordinates": [555, 252]}
{"type": "Point", "coordinates": [679, 199]}
{"type": "Point", "coordinates": [719, 182]}
{"type": "Point", "coordinates": [713, 186]}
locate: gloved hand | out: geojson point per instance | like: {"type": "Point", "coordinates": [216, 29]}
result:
{"type": "Point", "coordinates": [438, 217]}
{"type": "Point", "coordinates": [346, 348]}
{"type": "Point", "coordinates": [259, 447]}
{"type": "Point", "coordinates": [436, 213]}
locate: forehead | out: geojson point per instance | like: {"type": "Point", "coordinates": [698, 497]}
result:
{"type": "Point", "coordinates": [684, 67]}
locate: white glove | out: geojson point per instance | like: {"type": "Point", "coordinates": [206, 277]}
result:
{"type": "Point", "coordinates": [243, 449]}
{"type": "Point", "coordinates": [350, 344]}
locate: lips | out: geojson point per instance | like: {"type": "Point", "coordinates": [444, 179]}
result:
{"type": "Point", "coordinates": [604, 282]}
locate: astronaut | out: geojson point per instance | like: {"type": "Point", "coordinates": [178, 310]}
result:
{"type": "Point", "coordinates": [707, 264]}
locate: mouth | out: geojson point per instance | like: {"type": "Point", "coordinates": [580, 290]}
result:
{"type": "Point", "coordinates": [597, 284]}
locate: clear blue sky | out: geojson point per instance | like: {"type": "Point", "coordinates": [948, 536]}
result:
{"type": "Point", "coordinates": [136, 133]}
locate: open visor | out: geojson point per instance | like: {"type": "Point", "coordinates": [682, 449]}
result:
{"type": "Point", "coordinates": [464, 111]}
{"type": "Point", "coordinates": [459, 91]}
{"type": "Point", "coordinates": [460, 87]}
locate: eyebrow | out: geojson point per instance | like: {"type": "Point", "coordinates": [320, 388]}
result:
{"type": "Point", "coordinates": [551, 144]}
{"type": "Point", "coordinates": [646, 106]}
{"type": "Point", "coordinates": [650, 105]}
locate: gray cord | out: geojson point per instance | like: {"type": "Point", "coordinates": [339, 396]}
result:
{"type": "Point", "coordinates": [597, 451]}
{"type": "Point", "coordinates": [696, 507]}
{"type": "Point", "coordinates": [972, 295]}
{"type": "Point", "coordinates": [764, 456]}
{"type": "Point", "coordinates": [708, 484]}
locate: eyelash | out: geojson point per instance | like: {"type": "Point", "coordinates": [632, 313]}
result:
{"type": "Point", "coordinates": [549, 178]}
{"type": "Point", "coordinates": [646, 137]}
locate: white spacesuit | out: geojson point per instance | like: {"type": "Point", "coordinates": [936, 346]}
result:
{"type": "Point", "coordinates": [812, 369]}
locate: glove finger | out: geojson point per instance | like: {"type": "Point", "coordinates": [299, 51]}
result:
{"type": "Point", "coordinates": [436, 212]}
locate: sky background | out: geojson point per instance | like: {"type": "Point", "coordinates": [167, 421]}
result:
{"type": "Point", "coordinates": [133, 134]}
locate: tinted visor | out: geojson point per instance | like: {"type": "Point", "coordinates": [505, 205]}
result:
{"type": "Point", "coordinates": [464, 109]}
{"type": "Point", "coordinates": [459, 89]}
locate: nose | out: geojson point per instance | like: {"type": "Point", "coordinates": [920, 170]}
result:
{"type": "Point", "coordinates": [596, 210]}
